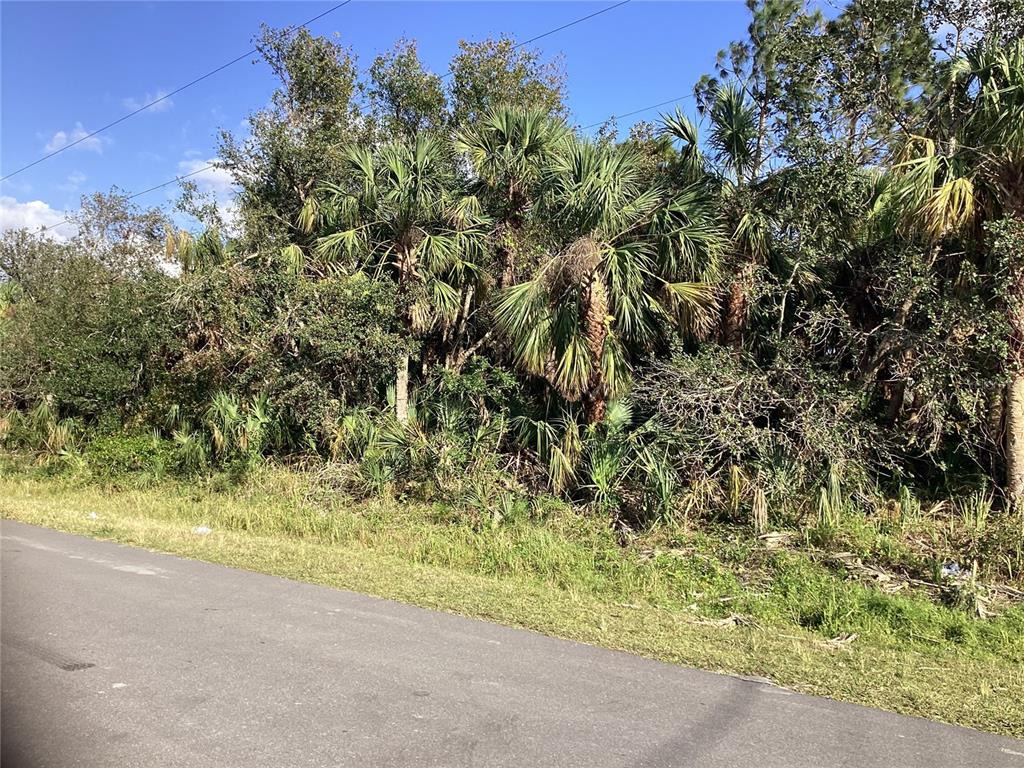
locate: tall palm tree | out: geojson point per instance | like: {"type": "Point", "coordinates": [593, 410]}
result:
{"type": "Point", "coordinates": [734, 162]}
{"type": "Point", "coordinates": [630, 261]}
{"type": "Point", "coordinates": [967, 167]}
{"type": "Point", "coordinates": [400, 212]}
{"type": "Point", "coordinates": [508, 151]}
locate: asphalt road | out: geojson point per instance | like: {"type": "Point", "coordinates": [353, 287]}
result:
{"type": "Point", "coordinates": [118, 657]}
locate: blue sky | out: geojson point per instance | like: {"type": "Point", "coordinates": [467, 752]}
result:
{"type": "Point", "coordinates": [69, 67]}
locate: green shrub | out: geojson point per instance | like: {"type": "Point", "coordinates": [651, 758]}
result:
{"type": "Point", "coordinates": [332, 346]}
{"type": "Point", "coordinates": [39, 430]}
{"type": "Point", "coordinates": [90, 339]}
{"type": "Point", "coordinates": [116, 457]}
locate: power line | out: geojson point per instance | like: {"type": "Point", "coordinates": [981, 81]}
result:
{"type": "Point", "coordinates": [165, 96]}
{"type": "Point", "coordinates": [559, 29]}
{"type": "Point", "coordinates": [196, 172]}
{"type": "Point", "coordinates": [175, 180]}
{"type": "Point", "coordinates": [570, 24]}
{"type": "Point", "coordinates": [534, 39]}
{"type": "Point", "coordinates": [637, 111]}
{"type": "Point", "coordinates": [144, 107]}
{"type": "Point", "coordinates": [213, 165]}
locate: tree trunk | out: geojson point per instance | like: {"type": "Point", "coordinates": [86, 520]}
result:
{"type": "Point", "coordinates": [508, 253]}
{"type": "Point", "coordinates": [1014, 410]}
{"type": "Point", "coordinates": [508, 268]}
{"type": "Point", "coordinates": [460, 357]}
{"type": "Point", "coordinates": [595, 323]}
{"type": "Point", "coordinates": [897, 393]}
{"type": "Point", "coordinates": [762, 118]}
{"type": "Point", "coordinates": [1013, 400]}
{"type": "Point", "coordinates": [453, 354]}
{"type": "Point", "coordinates": [594, 407]}
{"type": "Point", "coordinates": [402, 388]}
{"type": "Point", "coordinates": [994, 414]}
{"type": "Point", "coordinates": [734, 316]}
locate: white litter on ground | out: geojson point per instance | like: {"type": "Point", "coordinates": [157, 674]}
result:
{"type": "Point", "coordinates": [202, 530]}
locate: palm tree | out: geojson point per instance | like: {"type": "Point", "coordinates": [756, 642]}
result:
{"type": "Point", "coordinates": [688, 163]}
{"type": "Point", "coordinates": [631, 260]}
{"type": "Point", "coordinates": [508, 151]}
{"type": "Point", "coordinates": [967, 167]}
{"type": "Point", "coordinates": [735, 156]}
{"type": "Point", "coordinates": [199, 254]}
{"type": "Point", "coordinates": [401, 213]}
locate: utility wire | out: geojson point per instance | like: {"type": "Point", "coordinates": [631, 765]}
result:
{"type": "Point", "coordinates": [570, 24]}
{"type": "Point", "coordinates": [637, 111]}
{"type": "Point", "coordinates": [559, 29]}
{"type": "Point", "coordinates": [209, 167]}
{"type": "Point", "coordinates": [534, 39]}
{"type": "Point", "coordinates": [213, 165]}
{"type": "Point", "coordinates": [175, 180]}
{"type": "Point", "coordinates": [177, 90]}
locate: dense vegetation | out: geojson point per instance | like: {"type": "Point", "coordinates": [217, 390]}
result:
{"type": "Point", "coordinates": [798, 316]}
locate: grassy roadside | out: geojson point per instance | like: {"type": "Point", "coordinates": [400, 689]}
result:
{"type": "Point", "coordinates": [680, 599]}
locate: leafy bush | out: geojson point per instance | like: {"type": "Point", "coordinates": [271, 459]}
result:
{"type": "Point", "coordinates": [795, 432]}
{"type": "Point", "coordinates": [88, 339]}
{"type": "Point", "coordinates": [120, 456]}
{"type": "Point", "coordinates": [332, 347]}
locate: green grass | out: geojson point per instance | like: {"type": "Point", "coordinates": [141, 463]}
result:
{"type": "Point", "coordinates": [708, 599]}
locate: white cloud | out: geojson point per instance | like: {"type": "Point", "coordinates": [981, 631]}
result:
{"type": "Point", "coordinates": [73, 182]}
{"type": "Point", "coordinates": [213, 181]}
{"type": "Point", "coordinates": [131, 103]}
{"type": "Point", "coordinates": [61, 139]}
{"type": "Point", "coordinates": [33, 215]}
{"type": "Point", "coordinates": [216, 180]}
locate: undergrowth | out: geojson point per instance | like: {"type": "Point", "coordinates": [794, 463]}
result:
{"type": "Point", "coordinates": [714, 571]}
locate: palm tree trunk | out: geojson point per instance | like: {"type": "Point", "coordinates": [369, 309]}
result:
{"type": "Point", "coordinates": [594, 407]}
{"type": "Point", "coordinates": [734, 316]}
{"type": "Point", "coordinates": [1014, 410]}
{"type": "Point", "coordinates": [402, 388]}
{"type": "Point", "coordinates": [595, 314]}
{"type": "Point", "coordinates": [508, 253]}
{"type": "Point", "coordinates": [406, 274]}
{"type": "Point", "coordinates": [1013, 398]}
{"type": "Point", "coordinates": [508, 267]}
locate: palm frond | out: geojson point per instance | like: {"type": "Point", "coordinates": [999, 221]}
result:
{"type": "Point", "coordinates": [733, 131]}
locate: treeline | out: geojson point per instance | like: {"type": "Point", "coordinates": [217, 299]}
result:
{"type": "Point", "coordinates": [797, 303]}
